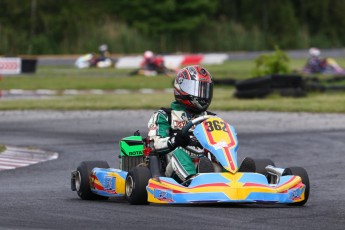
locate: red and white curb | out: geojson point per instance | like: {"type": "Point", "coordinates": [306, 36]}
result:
{"type": "Point", "coordinates": [175, 61]}
{"type": "Point", "coordinates": [14, 157]}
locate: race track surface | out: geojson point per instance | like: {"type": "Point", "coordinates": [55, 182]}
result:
{"type": "Point", "coordinates": [39, 196]}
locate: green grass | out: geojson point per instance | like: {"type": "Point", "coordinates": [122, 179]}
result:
{"type": "Point", "coordinates": [62, 77]}
{"type": "Point", "coordinates": [315, 102]}
{"type": "Point", "coordinates": [86, 82]}
{"type": "Point", "coordinates": [223, 100]}
{"type": "Point", "coordinates": [68, 77]}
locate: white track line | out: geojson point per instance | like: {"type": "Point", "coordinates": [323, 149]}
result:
{"type": "Point", "coordinates": [16, 160]}
{"type": "Point", "coordinates": [14, 157]}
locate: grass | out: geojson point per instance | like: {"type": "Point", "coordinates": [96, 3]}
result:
{"type": "Point", "coordinates": [223, 100]}
{"type": "Point", "coordinates": [315, 102]}
{"type": "Point", "coordinates": [68, 77]}
{"type": "Point", "coordinates": [85, 82]}
{"type": "Point", "coordinates": [105, 79]}
{"type": "Point", "coordinates": [64, 77]}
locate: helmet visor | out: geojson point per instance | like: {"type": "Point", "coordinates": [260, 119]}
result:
{"type": "Point", "coordinates": [197, 88]}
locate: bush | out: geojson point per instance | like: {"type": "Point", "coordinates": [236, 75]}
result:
{"type": "Point", "coordinates": [275, 63]}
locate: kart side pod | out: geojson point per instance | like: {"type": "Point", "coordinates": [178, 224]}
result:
{"type": "Point", "coordinates": [132, 152]}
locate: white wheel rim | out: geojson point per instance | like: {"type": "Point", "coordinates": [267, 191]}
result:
{"type": "Point", "coordinates": [129, 186]}
{"type": "Point", "coordinates": [78, 181]}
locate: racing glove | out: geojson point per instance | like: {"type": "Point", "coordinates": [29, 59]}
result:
{"type": "Point", "coordinates": [179, 140]}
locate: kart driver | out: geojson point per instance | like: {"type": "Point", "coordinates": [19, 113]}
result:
{"type": "Point", "coordinates": [193, 90]}
{"type": "Point", "coordinates": [103, 52]}
{"type": "Point", "coordinates": [152, 62]}
{"type": "Point", "coordinates": [315, 63]}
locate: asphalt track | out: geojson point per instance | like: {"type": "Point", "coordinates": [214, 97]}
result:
{"type": "Point", "coordinates": [39, 196]}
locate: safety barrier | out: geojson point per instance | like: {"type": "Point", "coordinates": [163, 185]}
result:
{"type": "Point", "coordinates": [14, 65]}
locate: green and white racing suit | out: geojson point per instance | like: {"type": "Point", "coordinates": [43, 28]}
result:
{"type": "Point", "coordinates": [162, 126]}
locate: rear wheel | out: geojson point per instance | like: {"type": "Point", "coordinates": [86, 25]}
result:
{"type": "Point", "coordinates": [136, 181]}
{"type": "Point", "coordinates": [301, 172]}
{"type": "Point", "coordinates": [82, 179]}
{"type": "Point", "coordinates": [205, 166]}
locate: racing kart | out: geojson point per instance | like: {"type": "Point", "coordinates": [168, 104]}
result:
{"type": "Point", "coordinates": [141, 179]}
{"type": "Point", "coordinates": [91, 60]}
{"type": "Point", "coordinates": [154, 68]}
{"type": "Point", "coordinates": [326, 66]}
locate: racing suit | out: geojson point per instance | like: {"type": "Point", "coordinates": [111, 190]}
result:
{"type": "Point", "coordinates": [162, 126]}
{"type": "Point", "coordinates": [316, 65]}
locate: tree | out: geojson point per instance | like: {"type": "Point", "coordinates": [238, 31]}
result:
{"type": "Point", "coordinates": [166, 19]}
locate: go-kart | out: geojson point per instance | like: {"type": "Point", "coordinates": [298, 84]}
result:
{"type": "Point", "coordinates": [141, 179]}
{"type": "Point", "coordinates": [153, 68]}
{"type": "Point", "coordinates": [324, 66]}
{"type": "Point", "coordinates": [90, 61]}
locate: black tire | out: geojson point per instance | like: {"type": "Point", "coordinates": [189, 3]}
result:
{"type": "Point", "coordinates": [205, 165]}
{"type": "Point", "coordinates": [335, 88]}
{"type": "Point", "coordinates": [136, 181]}
{"type": "Point", "coordinates": [254, 83]}
{"type": "Point", "coordinates": [253, 93]}
{"type": "Point", "coordinates": [301, 172]}
{"type": "Point", "coordinates": [287, 81]}
{"type": "Point", "coordinates": [83, 179]}
{"type": "Point", "coordinates": [336, 78]}
{"type": "Point", "coordinates": [247, 165]}
{"type": "Point", "coordinates": [315, 86]}
{"type": "Point", "coordinates": [226, 81]}
{"type": "Point", "coordinates": [260, 165]}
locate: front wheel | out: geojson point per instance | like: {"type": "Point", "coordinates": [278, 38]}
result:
{"type": "Point", "coordinates": [301, 172]}
{"type": "Point", "coordinates": [82, 179]}
{"type": "Point", "coordinates": [260, 165]}
{"type": "Point", "coordinates": [136, 181]}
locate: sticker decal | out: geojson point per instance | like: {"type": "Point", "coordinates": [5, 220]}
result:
{"type": "Point", "coordinates": [109, 184]}
{"type": "Point", "coordinates": [220, 145]}
{"type": "Point", "coordinates": [163, 195]}
{"type": "Point", "coordinates": [294, 194]}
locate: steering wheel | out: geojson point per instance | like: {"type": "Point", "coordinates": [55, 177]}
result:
{"type": "Point", "coordinates": [189, 125]}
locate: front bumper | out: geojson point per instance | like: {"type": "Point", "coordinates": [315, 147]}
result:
{"type": "Point", "coordinates": [226, 187]}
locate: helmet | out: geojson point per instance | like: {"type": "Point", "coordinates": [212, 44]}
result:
{"type": "Point", "coordinates": [148, 54]}
{"type": "Point", "coordinates": [314, 52]}
{"type": "Point", "coordinates": [103, 47]}
{"type": "Point", "coordinates": [193, 88]}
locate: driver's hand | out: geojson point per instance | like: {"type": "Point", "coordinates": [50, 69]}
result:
{"type": "Point", "coordinates": [179, 140]}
